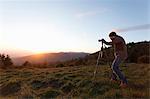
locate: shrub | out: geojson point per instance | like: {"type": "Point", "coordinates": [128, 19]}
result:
{"type": "Point", "coordinates": [26, 63]}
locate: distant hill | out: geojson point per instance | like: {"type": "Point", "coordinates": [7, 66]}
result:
{"type": "Point", "coordinates": [135, 51]}
{"type": "Point", "coordinates": [138, 52]}
{"type": "Point", "coordinates": [49, 57]}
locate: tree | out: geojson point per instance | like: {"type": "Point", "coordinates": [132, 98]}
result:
{"type": "Point", "coordinates": [26, 63]}
{"type": "Point", "coordinates": [5, 60]}
{"type": "Point", "coordinates": [8, 61]}
{"type": "Point", "coordinates": [2, 59]}
{"type": "Point", "coordinates": [1, 63]}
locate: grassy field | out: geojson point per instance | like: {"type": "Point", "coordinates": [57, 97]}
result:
{"type": "Point", "coordinates": [73, 82]}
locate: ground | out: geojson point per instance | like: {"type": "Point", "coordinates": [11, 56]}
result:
{"type": "Point", "coordinates": [73, 82]}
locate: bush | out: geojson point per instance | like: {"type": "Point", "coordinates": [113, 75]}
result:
{"type": "Point", "coordinates": [26, 63]}
{"type": "Point", "coordinates": [144, 59]}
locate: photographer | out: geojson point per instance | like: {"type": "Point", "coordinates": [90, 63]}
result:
{"type": "Point", "coordinates": [120, 52]}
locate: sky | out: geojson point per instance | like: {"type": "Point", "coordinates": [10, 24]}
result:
{"type": "Point", "coordinates": [41, 26]}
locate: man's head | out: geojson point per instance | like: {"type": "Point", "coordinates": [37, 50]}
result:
{"type": "Point", "coordinates": [112, 35]}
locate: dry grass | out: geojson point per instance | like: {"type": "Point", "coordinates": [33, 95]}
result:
{"type": "Point", "coordinates": [73, 82]}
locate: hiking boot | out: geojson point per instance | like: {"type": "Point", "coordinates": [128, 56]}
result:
{"type": "Point", "coordinates": [123, 85]}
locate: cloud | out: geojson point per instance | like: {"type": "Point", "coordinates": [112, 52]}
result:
{"type": "Point", "coordinates": [134, 28]}
{"type": "Point", "coordinates": [90, 13]}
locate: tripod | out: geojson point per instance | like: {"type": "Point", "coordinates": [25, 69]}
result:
{"type": "Point", "coordinates": [100, 55]}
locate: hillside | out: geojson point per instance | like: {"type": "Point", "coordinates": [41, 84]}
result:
{"type": "Point", "coordinates": [135, 51]}
{"type": "Point", "coordinates": [138, 52]}
{"type": "Point", "coordinates": [73, 82]}
{"type": "Point", "coordinates": [49, 57]}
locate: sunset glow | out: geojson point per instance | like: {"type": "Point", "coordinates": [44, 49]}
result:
{"type": "Point", "coordinates": [39, 26]}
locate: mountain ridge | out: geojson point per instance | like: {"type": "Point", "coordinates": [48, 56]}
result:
{"type": "Point", "coordinates": [49, 57]}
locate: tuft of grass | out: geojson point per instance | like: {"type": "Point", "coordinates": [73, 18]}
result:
{"type": "Point", "coordinates": [98, 89]}
{"type": "Point", "coordinates": [50, 94]}
{"type": "Point", "coordinates": [55, 83]}
{"type": "Point", "coordinates": [27, 97]}
{"type": "Point", "coordinates": [114, 94]}
{"type": "Point", "coordinates": [84, 83]}
{"type": "Point", "coordinates": [25, 74]}
{"type": "Point", "coordinates": [36, 84]}
{"type": "Point", "coordinates": [67, 87]}
{"type": "Point", "coordinates": [10, 88]}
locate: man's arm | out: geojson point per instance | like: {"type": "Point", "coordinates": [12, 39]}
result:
{"type": "Point", "coordinates": [107, 43]}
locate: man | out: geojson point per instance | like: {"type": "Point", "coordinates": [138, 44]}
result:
{"type": "Point", "coordinates": [120, 52]}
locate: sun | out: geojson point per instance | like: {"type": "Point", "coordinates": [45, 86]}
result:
{"type": "Point", "coordinates": [37, 43]}
{"type": "Point", "coordinates": [37, 38]}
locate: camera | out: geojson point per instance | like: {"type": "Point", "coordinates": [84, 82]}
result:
{"type": "Point", "coordinates": [100, 40]}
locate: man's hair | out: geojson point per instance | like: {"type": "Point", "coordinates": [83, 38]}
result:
{"type": "Point", "coordinates": [112, 34]}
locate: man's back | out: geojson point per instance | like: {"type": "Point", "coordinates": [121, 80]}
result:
{"type": "Point", "coordinates": [119, 47]}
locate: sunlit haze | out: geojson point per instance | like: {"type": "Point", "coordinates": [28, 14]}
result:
{"type": "Point", "coordinates": [44, 26]}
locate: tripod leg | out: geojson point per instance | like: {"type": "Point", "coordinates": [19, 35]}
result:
{"type": "Point", "coordinates": [95, 71]}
